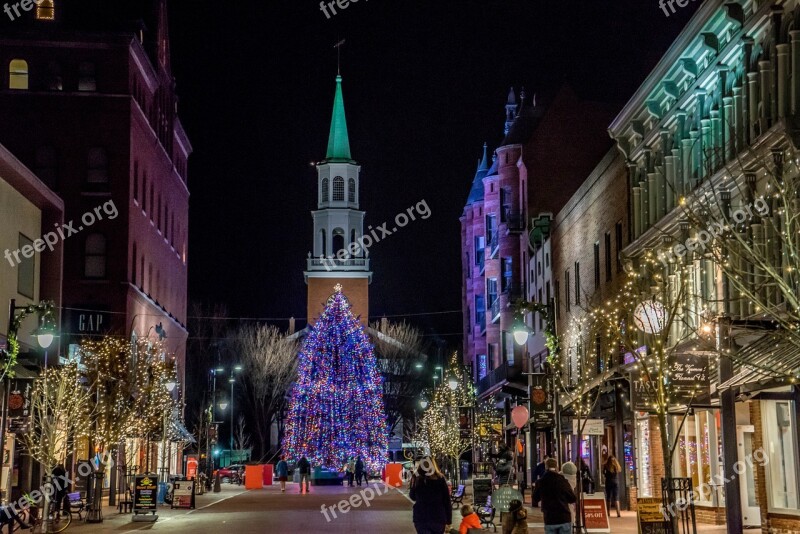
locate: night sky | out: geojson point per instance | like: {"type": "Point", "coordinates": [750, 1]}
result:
{"type": "Point", "coordinates": [425, 83]}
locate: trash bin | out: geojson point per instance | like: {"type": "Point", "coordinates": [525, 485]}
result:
{"type": "Point", "coordinates": [162, 492]}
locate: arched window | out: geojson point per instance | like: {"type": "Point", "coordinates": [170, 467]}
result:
{"type": "Point", "coordinates": [337, 241]}
{"type": "Point", "coordinates": [325, 193]}
{"type": "Point", "coordinates": [338, 189]}
{"type": "Point", "coordinates": [98, 166]}
{"type": "Point", "coordinates": [324, 242]}
{"type": "Point", "coordinates": [45, 10]}
{"type": "Point", "coordinates": [95, 256]}
{"type": "Point", "coordinates": [351, 190]}
{"type": "Point", "coordinates": [18, 74]}
{"type": "Point", "coordinates": [87, 80]}
{"type": "Point", "coordinates": [133, 265]}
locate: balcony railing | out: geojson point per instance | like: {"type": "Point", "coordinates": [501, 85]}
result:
{"type": "Point", "coordinates": [505, 374]}
{"type": "Point", "coordinates": [495, 307]}
{"type": "Point", "coordinates": [494, 244]}
{"type": "Point", "coordinates": [515, 222]}
{"type": "Point", "coordinates": [330, 264]}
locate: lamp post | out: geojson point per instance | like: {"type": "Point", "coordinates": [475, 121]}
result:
{"type": "Point", "coordinates": [44, 336]}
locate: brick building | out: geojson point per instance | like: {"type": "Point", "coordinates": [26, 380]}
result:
{"type": "Point", "coordinates": [88, 101]}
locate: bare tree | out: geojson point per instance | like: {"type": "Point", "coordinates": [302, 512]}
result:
{"type": "Point", "coordinates": [398, 347]}
{"type": "Point", "coordinates": [269, 366]}
{"type": "Point", "coordinates": [241, 436]}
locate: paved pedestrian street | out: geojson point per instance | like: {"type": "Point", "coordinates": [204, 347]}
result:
{"type": "Point", "coordinates": [237, 511]}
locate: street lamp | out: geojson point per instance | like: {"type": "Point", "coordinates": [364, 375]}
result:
{"type": "Point", "coordinates": [452, 383]}
{"type": "Point", "coordinates": [521, 331]}
{"type": "Point", "coordinates": [423, 403]}
{"type": "Point", "coordinates": [223, 406]}
{"type": "Point", "coordinates": [418, 365]}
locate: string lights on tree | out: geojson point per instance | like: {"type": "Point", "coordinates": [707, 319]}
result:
{"type": "Point", "coordinates": [336, 406]}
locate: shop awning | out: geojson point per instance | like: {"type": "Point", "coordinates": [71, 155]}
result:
{"type": "Point", "coordinates": [180, 433]}
{"type": "Point", "coordinates": [773, 360]}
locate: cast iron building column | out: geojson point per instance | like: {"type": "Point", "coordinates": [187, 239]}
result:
{"type": "Point", "coordinates": [727, 398]}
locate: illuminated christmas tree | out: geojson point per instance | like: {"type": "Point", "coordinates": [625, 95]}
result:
{"type": "Point", "coordinates": [336, 408]}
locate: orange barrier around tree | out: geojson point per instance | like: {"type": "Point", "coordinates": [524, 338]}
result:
{"type": "Point", "coordinates": [253, 476]}
{"type": "Point", "coordinates": [267, 474]}
{"type": "Point", "coordinates": [393, 475]}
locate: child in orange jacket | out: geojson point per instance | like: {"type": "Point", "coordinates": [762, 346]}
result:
{"type": "Point", "coordinates": [469, 519]}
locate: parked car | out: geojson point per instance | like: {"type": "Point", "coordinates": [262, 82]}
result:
{"type": "Point", "coordinates": [233, 471]}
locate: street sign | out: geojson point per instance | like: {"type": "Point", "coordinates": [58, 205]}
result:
{"type": "Point", "coordinates": [591, 427]}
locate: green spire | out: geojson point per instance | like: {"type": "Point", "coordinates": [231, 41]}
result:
{"type": "Point", "coordinates": [338, 142]}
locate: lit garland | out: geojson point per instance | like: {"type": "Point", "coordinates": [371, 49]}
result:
{"type": "Point", "coordinates": [336, 409]}
{"type": "Point", "coordinates": [45, 310]}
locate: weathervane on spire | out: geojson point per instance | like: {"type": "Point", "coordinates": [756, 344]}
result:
{"type": "Point", "coordinates": [338, 47]}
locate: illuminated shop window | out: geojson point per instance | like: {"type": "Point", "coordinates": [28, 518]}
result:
{"type": "Point", "coordinates": [18, 74]}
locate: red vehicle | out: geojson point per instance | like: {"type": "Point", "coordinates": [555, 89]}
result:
{"type": "Point", "coordinates": [231, 473]}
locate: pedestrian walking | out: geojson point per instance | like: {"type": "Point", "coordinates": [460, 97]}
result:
{"type": "Point", "coordinates": [611, 470]}
{"type": "Point", "coordinates": [360, 471]}
{"type": "Point", "coordinates": [555, 495]}
{"type": "Point", "coordinates": [304, 466]}
{"type": "Point", "coordinates": [282, 470]}
{"type": "Point", "coordinates": [570, 471]}
{"type": "Point", "coordinates": [351, 471]}
{"type": "Point", "coordinates": [432, 512]}
{"type": "Point", "coordinates": [516, 520]}
{"type": "Point", "coordinates": [61, 504]}
{"type": "Point", "coordinates": [587, 482]}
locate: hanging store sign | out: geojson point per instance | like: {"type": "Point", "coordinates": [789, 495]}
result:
{"type": "Point", "coordinates": [688, 380]}
{"type": "Point", "coordinates": [543, 406]}
{"type": "Point", "coordinates": [591, 427]}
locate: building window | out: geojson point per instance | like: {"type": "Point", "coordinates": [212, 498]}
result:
{"type": "Point", "coordinates": [780, 433]}
{"type": "Point", "coordinates": [567, 297]}
{"type": "Point", "coordinates": [26, 270]}
{"type": "Point", "coordinates": [46, 165]}
{"type": "Point", "coordinates": [136, 181]}
{"type": "Point", "coordinates": [597, 266]}
{"type": "Point", "coordinates": [338, 189]}
{"type": "Point", "coordinates": [608, 257]}
{"type": "Point", "coordinates": [508, 274]}
{"type": "Point", "coordinates": [54, 80]}
{"type": "Point", "coordinates": [325, 194]}
{"type": "Point", "coordinates": [577, 283]}
{"type": "Point", "coordinates": [133, 265]}
{"type": "Point", "coordinates": [491, 356]}
{"type": "Point", "coordinates": [557, 289]}
{"type": "Point", "coordinates": [697, 451]}
{"type": "Point", "coordinates": [645, 471]}
{"type": "Point", "coordinates": [491, 230]}
{"type": "Point", "coordinates": [351, 190]}
{"type": "Point", "coordinates": [95, 256]}
{"type": "Point", "coordinates": [483, 367]}
{"type": "Point", "coordinates": [480, 310]}
{"type": "Point", "coordinates": [18, 74]}
{"type": "Point", "coordinates": [87, 80]}
{"type": "Point", "coordinates": [480, 249]}
{"type": "Point", "coordinates": [337, 240]}
{"type": "Point", "coordinates": [618, 231]}
{"type": "Point", "coordinates": [98, 166]}
{"type": "Point", "coordinates": [508, 348]}
{"type": "Point", "coordinates": [45, 10]}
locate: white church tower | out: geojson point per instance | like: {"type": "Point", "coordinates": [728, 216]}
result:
{"type": "Point", "coordinates": [338, 225]}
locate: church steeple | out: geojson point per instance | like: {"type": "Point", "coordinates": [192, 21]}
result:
{"type": "Point", "coordinates": [338, 141]}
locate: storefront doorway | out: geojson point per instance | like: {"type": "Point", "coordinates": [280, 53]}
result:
{"type": "Point", "coordinates": [751, 514]}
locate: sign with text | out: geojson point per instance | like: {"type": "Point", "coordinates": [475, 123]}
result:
{"type": "Point", "coordinates": [688, 379]}
{"type": "Point", "coordinates": [87, 323]}
{"type": "Point", "coordinates": [542, 401]}
{"type": "Point", "coordinates": [183, 494]}
{"type": "Point", "coordinates": [145, 492]}
{"type": "Point", "coordinates": [591, 427]}
{"type": "Point", "coordinates": [596, 515]}
{"type": "Point", "coordinates": [650, 518]}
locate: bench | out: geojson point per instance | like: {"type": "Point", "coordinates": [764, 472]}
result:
{"type": "Point", "coordinates": [457, 498]}
{"type": "Point", "coordinates": [486, 513]}
{"type": "Point", "coordinates": [76, 504]}
{"type": "Point", "coordinates": [125, 505]}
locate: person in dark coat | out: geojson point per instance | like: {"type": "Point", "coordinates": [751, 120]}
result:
{"type": "Point", "coordinates": [304, 467]}
{"type": "Point", "coordinates": [504, 464]}
{"type": "Point", "coordinates": [433, 512]}
{"type": "Point", "coordinates": [538, 472]}
{"type": "Point", "coordinates": [585, 474]}
{"type": "Point", "coordinates": [611, 470]}
{"type": "Point", "coordinates": [555, 495]}
{"type": "Point", "coordinates": [60, 485]}
{"type": "Point", "coordinates": [360, 472]}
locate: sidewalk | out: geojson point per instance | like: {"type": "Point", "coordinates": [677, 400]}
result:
{"type": "Point", "coordinates": [623, 525]}
{"type": "Point", "coordinates": [116, 522]}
